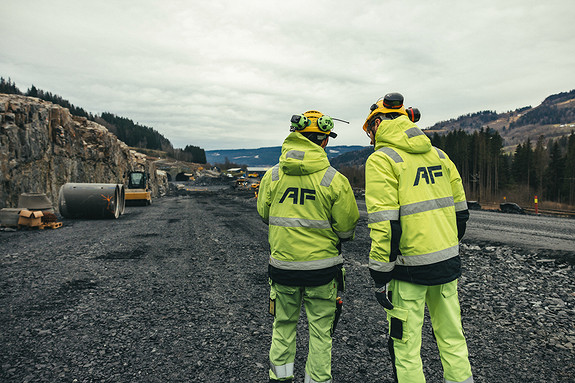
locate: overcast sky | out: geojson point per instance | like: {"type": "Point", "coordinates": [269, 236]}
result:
{"type": "Point", "coordinates": [229, 74]}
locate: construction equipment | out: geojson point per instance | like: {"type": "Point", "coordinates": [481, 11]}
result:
{"type": "Point", "coordinates": [138, 191]}
{"type": "Point", "coordinates": [241, 183]}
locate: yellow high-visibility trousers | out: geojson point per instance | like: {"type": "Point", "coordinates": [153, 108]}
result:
{"type": "Point", "coordinates": [406, 321]}
{"type": "Point", "coordinates": [319, 303]}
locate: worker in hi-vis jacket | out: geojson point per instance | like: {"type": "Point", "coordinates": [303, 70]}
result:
{"type": "Point", "coordinates": [417, 214]}
{"type": "Point", "coordinates": [310, 209]}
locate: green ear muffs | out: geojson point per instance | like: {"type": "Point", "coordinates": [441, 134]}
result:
{"type": "Point", "coordinates": [300, 122]}
{"type": "Point", "coordinates": [325, 123]}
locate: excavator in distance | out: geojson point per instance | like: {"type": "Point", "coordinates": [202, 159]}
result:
{"type": "Point", "coordinates": [138, 190]}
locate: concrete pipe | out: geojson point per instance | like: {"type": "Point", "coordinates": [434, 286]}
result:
{"type": "Point", "coordinates": [84, 200]}
{"type": "Point", "coordinates": [122, 202]}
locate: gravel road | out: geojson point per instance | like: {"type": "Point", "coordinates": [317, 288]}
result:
{"type": "Point", "coordinates": [177, 292]}
{"type": "Point", "coordinates": [528, 231]}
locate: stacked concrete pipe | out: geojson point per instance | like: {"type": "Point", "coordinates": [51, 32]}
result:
{"type": "Point", "coordinates": [86, 200]}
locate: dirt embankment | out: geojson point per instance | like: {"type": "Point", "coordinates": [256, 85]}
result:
{"type": "Point", "coordinates": [177, 292]}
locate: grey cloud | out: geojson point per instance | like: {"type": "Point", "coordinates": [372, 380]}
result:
{"type": "Point", "coordinates": [230, 74]}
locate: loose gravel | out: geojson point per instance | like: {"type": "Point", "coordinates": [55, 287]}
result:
{"type": "Point", "coordinates": [178, 292]}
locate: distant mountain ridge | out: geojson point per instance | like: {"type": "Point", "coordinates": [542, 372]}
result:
{"type": "Point", "coordinates": [267, 156]}
{"type": "Point", "coordinates": [553, 118]}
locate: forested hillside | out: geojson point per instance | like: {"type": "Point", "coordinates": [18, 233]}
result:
{"type": "Point", "coordinates": [133, 134]}
{"type": "Point", "coordinates": [545, 168]}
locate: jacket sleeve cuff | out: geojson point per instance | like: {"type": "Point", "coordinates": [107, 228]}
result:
{"type": "Point", "coordinates": [380, 278]}
{"type": "Point", "coordinates": [461, 218]}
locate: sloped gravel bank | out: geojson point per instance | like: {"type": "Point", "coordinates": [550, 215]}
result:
{"type": "Point", "coordinates": [177, 292]}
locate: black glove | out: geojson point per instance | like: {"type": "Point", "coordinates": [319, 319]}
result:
{"type": "Point", "coordinates": [381, 295]}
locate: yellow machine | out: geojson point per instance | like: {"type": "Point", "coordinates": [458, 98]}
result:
{"type": "Point", "coordinates": [137, 190]}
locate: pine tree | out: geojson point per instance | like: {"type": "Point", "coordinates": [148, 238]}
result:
{"type": "Point", "coordinates": [540, 160]}
{"type": "Point", "coordinates": [8, 87]}
{"type": "Point", "coordinates": [554, 174]}
{"type": "Point", "coordinates": [522, 167]}
{"type": "Point", "coordinates": [569, 174]}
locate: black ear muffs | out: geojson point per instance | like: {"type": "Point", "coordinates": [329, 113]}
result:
{"type": "Point", "coordinates": [393, 101]}
{"type": "Point", "coordinates": [300, 122]}
{"type": "Point", "coordinates": [413, 113]}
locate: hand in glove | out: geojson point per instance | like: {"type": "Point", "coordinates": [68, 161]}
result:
{"type": "Point", "coordinates": [381, 295]}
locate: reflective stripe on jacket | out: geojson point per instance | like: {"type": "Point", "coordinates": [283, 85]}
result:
{"type": "Point", "coordinates": [309, 207]}
{"type": "Point", "coordinates": [413, 192]}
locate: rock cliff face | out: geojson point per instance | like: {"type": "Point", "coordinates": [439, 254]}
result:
{"type": "Point", "coordinates": [42, 147]}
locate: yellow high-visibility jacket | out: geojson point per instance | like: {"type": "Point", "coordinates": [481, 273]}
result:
{"type": "Point", "coordinates": [310, 209]}
{"type": "Point", "coordinates": [416, 207]}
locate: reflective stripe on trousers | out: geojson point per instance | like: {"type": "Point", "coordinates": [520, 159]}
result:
{"type": "Point", "coordinates": [284, 371]}
{"type": "Point", "coordinates": [308, 379]}
{"type": "Point", "coordinates": [468, 380]}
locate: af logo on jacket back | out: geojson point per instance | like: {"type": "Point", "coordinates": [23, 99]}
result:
{"type": "Point", "coordinates": [298, 194]}
{"type": "Point", "coordinates": [428, 174]}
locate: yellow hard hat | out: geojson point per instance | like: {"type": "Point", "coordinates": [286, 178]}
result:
{"type": "Point", "coordinates": [390, 103]}
{"type": "Point", "coordinates": [313, 121]}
